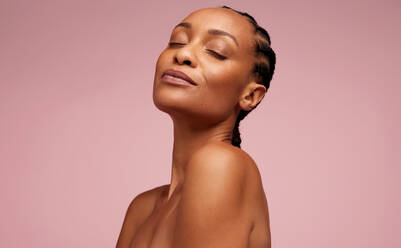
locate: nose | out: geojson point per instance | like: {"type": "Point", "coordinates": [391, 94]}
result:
{"type": "Point", "coordinates": [185, 55]}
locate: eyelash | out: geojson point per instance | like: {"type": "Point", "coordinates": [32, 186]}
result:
{"type": "Point", "coordinates": [219, 56]}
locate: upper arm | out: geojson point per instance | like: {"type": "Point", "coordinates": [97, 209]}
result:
{"type": "Point", "coordinates": [212, 212]}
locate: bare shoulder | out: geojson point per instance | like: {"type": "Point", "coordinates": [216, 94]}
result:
{"type": "Point", "coordinates": [215, 196]}
{"type": "Point", "coordinates": [217, 170]}
{"type": "Point", "coordinates": [144, 201]}
{"type": "Point", "coordinates": [138, 210]}
{"type": "Point", "coordinates": [223, 160]}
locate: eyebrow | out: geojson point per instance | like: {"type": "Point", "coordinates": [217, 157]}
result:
{"type": "Point", "coordinates": [210, 31]}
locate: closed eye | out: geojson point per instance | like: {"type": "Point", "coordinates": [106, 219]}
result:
{"type": "Point", "coordinates": [174, 44]}
{"type": "Point", "coordinates": [217, 55]}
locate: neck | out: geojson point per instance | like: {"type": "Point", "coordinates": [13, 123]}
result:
{"type": "Point", "coordinates": [190, 137]}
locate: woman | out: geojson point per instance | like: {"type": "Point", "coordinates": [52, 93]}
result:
{"type": "Point", "coordinates": [216, 69]}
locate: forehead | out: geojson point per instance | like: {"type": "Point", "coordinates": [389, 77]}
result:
{"type": "Point", "coordinates": [223, 19]}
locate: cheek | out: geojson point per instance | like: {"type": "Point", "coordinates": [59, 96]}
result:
{"type": "Point", "coordinates": [161, 60]}
{"type": "Point", "coordinates": [223, 84]}
{"type": "Point", "coordinates": [219, 93]}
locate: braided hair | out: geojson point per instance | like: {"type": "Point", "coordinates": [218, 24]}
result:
{"type": "Point", "coordinates": [263, 69]}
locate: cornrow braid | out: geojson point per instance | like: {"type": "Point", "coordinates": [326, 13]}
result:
{"type": "Point", "coordinates": [263, 69]}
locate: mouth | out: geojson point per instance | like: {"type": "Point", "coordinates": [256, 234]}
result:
{"type": "Point", "coordinates": [177, 77]}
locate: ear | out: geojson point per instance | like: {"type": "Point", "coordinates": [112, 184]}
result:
{"type": "Point", "coordinates": [251, 95]}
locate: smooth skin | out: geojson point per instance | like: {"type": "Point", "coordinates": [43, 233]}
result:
{"type": "Point", "coordinates": [215, 198]}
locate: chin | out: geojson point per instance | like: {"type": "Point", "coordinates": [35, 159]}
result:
{"type": "Point", "coordinates": [173, 101]}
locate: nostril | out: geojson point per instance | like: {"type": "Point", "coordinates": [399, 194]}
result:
{"type": "Point", "coordinates": [187, 62]}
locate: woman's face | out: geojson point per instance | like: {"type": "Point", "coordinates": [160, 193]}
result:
{"type": "Point", "coordinates": [220, 64]}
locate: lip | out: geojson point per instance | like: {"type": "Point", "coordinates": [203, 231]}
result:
{"type": "Point", "coordinates": [179, 74]}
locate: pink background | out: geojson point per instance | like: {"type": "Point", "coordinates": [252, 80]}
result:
{"type": "Point", "coordinates": [80, 136]}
